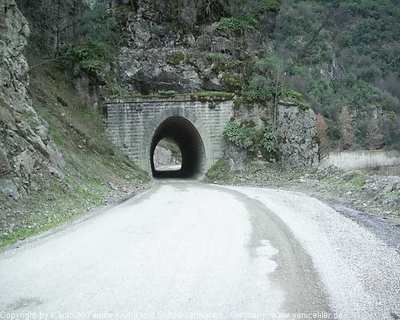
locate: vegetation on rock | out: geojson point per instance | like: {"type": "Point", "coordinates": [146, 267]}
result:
{"type": "Point", "coordinates": [218, 171]}
{"type": "Point", "coordinates": [236, 25]}
{"type": "Point", "coordinates": [245, 135]}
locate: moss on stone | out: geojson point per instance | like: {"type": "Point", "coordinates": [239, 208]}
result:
{"type": "Point", "coordinates": [175, 58]}
{"type": "Point", "coordinates": [218, 171]}
{"type": "Point", "coordinates": [168, 93]}
{"type": "Point", "coordinates": [212, 95]}
{"type": "Point", "coordinates": [218, 61]}
{"type": "Point", "coordinates": [232, 81]}
{"type": "Point", "coordinates": [196, 96]}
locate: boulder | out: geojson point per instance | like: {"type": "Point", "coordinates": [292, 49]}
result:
{"type": "Point", "coordinates": [9, 189]}
{"type": "Point", "coordinates": [24, 164]}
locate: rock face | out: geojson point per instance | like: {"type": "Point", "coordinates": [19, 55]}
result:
{"type": "Point", "coordinates": [174, 45]}
{"type": "Point", "coordinates": [297, 135]}
{"type": "Point", "coordinates": [25, 147]}
{"type": "Point", "coordinates": [14, 32]}
{"type": "Point", "coordinates": [162, 157]}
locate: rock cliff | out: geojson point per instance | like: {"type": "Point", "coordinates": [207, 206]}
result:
{"type": "Point", "coordinates": [296, 134]}
{"type": "Point", "coordinates": [177, 45]}
{"type": "Point", "coordinates": [27, 154]}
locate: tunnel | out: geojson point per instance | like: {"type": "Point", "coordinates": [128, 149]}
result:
{"type": "Point", "coordinates": [190, 143]}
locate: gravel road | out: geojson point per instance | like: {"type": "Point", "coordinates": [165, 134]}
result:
{"type": "Point", "coordinates": [189, 250]}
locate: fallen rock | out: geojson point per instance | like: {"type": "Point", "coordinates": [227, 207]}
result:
{"type": "Point", "coordinates": [9, 189]}
{"type": "Point", "coordinates": [113, 186]}
{"type": "Point", "coordinates": [4, 164]}
{"type": "Point", "coordinates": [24, 164]}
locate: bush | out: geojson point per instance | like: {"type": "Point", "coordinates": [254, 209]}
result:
{"type": "Point", "coordinates": [91, 65]}
{"type": "Point", "coordinates": [259, 83]}
{"type": "Point", "coordinates": [269, 141]}
{"type": "Point", "coordinates": [175, 58]}
{"type": "Point", "coordinates": [93, 44]}
{"type": "Point", "coordinates": [236, 25]}
{"type": "Point", "coordinates": [270, 5]}
{"type": "Point", "coordinates": [240, 136]}
{"type": "Point", "coordinates": [268, 64]}
{"type": "Point", "coordinates": [291, 94]}
{"type": "Point", "coordinates": [233, 81]}
{"type": "Point", "coordinates": [257, 95]}
{"type": "Point", "coordinates": [249, 138]}
{"type": "Point", "coordinates": [218, 171]}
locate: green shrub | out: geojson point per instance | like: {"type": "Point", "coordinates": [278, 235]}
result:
{"type": "Point", "coordinates": [91, 65]}
{"type": "Point", "coordinates": [246, 136]}
{"type": "Point", "coordinates": [213, 56]}
{"type": "Point", "coordinates": [268, 64]}
{"type": "Point", "coordinates": [218, 171]}
{"type": "Point", "coordinates": [115, 90]}
{"type": "Point", "coordinates": [175, 58]}
{"type": "Point", "coordinates": [219, 61]}
{"type": "Point", "coordinates": [270, 5]}
{"type": "Point", "coordinates": [240, 136]}
{"type": "Point", "coordinates": [295, 97]}
{"type": "Point", "coordinates": [93, 42]}
{"type": "Point", "coordinates": [236, 25]}
{"type": "Point", "coordinates": [233, 81]}
{"type": "Point", "coordinates": [291, 94]}
{"type": "Point", "coordinates": [269, 141]}
{"type": "Point", "coordinates": [257, 95]}
{"type": "Point", "coordinates": [238, 63]}
{"type": "Point", "coordinates": [260, 83]}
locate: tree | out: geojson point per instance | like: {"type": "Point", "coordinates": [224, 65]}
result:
{"type": "Point", "coordinates": [53, 22]}
{"type": "Point", "coordinates": [374, 135]}
{"type": "Point", "coordinates": [269, 81]}
{"type": "Point", "coordinates": [347, 129]}
{"type": "Point", "coordinates": [322, 134]}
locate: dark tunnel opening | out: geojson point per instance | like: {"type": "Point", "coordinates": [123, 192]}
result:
{"type": "Point", "coordinates": [188, 139]}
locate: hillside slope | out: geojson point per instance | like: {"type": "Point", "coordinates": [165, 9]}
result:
{"type": "Point", "coordinates": [341, 57]}
{"type": "Point", "coordinates": [55, 161]}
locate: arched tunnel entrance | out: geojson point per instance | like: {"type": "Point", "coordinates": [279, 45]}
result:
{"type": "Point", "coordinates": [185, 135]}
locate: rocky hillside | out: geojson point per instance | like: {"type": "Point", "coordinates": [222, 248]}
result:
{"type": "Point", "coordinates": [55, 161]}
{"type": "Point", "coordinates": [340, 57]}
{"type": "Point", "coordinates": [25, 145]}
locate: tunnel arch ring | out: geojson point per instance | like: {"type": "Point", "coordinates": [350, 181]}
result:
{"type": "Point", "coordinates": [162, 117]}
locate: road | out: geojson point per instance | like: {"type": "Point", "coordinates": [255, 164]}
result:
{"type": "Point", "coordinates": [189, 250]}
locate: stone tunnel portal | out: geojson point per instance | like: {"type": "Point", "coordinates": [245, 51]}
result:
{"type": "Point", "coordinates": [190, 143]}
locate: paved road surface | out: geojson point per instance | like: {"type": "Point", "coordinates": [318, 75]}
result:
{"type": "Point", "coordinates": [185, 250]}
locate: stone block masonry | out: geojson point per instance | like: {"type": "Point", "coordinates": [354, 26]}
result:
{"type": "Point", "coordinates": [133, 122]}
